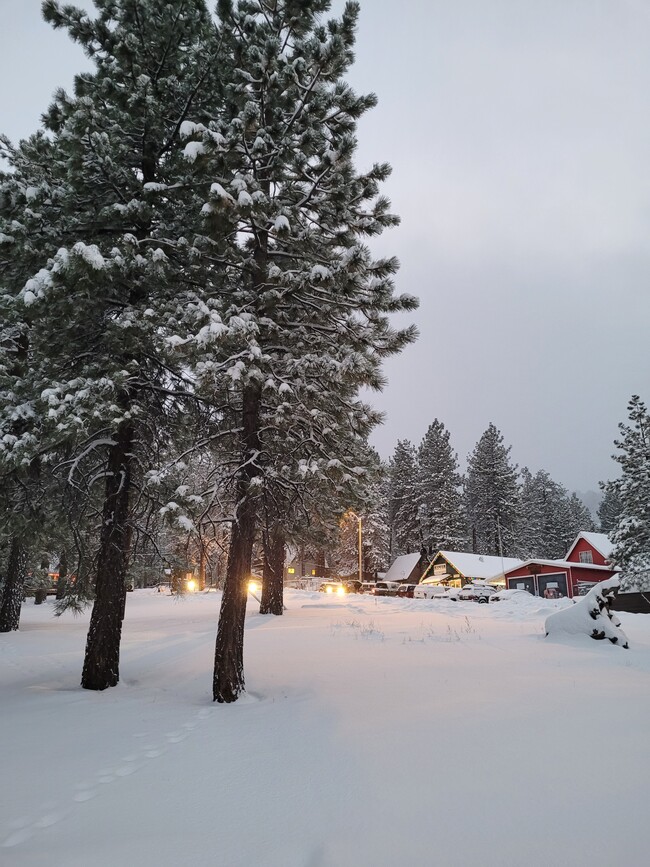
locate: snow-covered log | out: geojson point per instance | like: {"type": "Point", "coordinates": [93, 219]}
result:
{"type": "Point", "coordinates": [591, 615]}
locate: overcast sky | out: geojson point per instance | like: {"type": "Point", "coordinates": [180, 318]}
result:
{"type": "Point", "coordinates": [519, 135]}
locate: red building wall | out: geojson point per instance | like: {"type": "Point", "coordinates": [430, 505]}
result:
{"type": "Point", "coordinates": [574, 574]}
{"type": "Point", "coordinates": [583, 545]}
{"type": "Point", "coordinates": [539, 569]}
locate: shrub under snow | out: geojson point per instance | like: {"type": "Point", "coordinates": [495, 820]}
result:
{"type": "Point", "coordinates": [591, 616]}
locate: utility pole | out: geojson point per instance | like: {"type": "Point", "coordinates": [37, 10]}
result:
{"type": "Point", "coordinates": [360, 542]}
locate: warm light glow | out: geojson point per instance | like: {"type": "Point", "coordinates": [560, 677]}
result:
{"type": "Point", "coordinates": [252, 587]}
{"type": "Point", "coordinates": [330, 589]}
{"type": "Point", "coordinates": [340, 591]}
{"type": "Point", "coordinates": [191, 585]}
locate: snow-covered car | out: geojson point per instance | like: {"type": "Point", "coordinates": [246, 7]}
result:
{"type": "Point", "coordinates": [451, 594]}
{"type": "Point", "coordinates": [367, 587]}
{"type": "Point", "coordinates": [405, 591]}
{"type": "Point", "coordinates": [428, 590]}
{"type": "Point", "coordinates": [476, 593]}
{"type": "Point", "coordinates": [514, 594]}
{"type": "Point", "coordinates": [386, 588]}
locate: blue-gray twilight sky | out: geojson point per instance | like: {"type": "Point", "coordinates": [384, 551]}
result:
{"type": "Point", "coordinates": [519, 135]}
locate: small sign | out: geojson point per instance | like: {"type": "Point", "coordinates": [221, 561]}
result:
{"type": "Point", "coordinates": [440, 569]}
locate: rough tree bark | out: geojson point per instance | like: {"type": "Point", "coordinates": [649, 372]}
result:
{"type": "Point", "coordinates": [14, 585]}
{"type": "Point", "coordinates": [272, 601]}
{"type": "Point", "coordinates": [228, 679]}
{"type": "Point", "coordinates": [102, 660]}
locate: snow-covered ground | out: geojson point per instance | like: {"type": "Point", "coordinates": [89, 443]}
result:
{"type": "Point", "coordinates": [375, 732]}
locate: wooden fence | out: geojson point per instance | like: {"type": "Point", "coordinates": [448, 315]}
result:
{"type": "Point", "coordinates": [635, 603]}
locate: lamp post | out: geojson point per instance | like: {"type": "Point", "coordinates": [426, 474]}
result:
{"type": "Point", "coordinates": [354, 515]}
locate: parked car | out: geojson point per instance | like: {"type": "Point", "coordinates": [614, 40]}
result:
{"type": "Point", "coordinates": [451, 594]}
{"type": "Point", "coordinates": [476, 592]}
{"type": "Point", "coordinates": [506, 595]}
{"type": "Point", "coordinates": [386, 588]}
{"type": "Point", "coordinates": [352, 586]}
{"type": "Point", "coordinates": [405, 591]}
{"type": "Point", "coordinates": [367, 587]}
{"type": "Point", "coordinates": [428, 590]}
{"type": "Point", "coordinates": [333, 587]}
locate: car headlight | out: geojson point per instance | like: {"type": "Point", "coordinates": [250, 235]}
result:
{"type": "Point", "coordinates": [340, 591]}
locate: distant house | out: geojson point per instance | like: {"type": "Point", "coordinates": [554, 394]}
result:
{"type": "Point", "coordinates": [406, 569]}
{"type": "Point", "coordinates": [457, 568]}
{"type": "Point", "coordinates": [296, 572]}
{"type": "Point", "coordinates": [585, 564]}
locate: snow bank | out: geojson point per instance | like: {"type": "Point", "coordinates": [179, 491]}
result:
{"type": "Point", "coordinates": [591, 616]}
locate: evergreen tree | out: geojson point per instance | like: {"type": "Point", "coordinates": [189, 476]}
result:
{"type": "Point", "coordinates": [609, 510]}
{"type": "Point", "coordinates": [550, 519]}
{"type": "Point", "coordinates": [438, 493]}
{"type": "Point", "coordinates": [631, 536]}
{"type": "Point", "coordinates": [404, 520]}
{"type": "Point", "coordinates": [492, 496]}
{"type": "Point", "coordinates": [578, 518]}
{"type": "Point", "coordinates": [101, 210]}
{"type": "Point", "coordinates": [306, 304]}
{"type": "Point", "coordinates": [376, 526]}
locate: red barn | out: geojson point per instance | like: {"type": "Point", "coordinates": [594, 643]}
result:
{"type": "Point", "coordinates": [586, 563]}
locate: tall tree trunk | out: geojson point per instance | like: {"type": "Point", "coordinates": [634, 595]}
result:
{"type": "Point", "coordinates": [12, 597]}
{"type": "Point", "coordinates": [62, 580]}
{"type": "Point", "coordinates": [228, 679]}
{"type": "Point", "coordinates": [102, 661]}
{"type": "Point", "coordinates": [202, 564]}
{"type": "Point", "coordinates": [272, 577]}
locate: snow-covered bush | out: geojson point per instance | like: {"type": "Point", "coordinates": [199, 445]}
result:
{"type": "Point", "coordinates": [591, 616]}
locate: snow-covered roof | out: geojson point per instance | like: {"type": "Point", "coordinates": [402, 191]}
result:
{"type": "Point", "coordinates": [561, 564]}
{"type": "Point", "coordinates": [599, 541]}
{"type": "Point", "coordinates": [479, 565]}
{"type": "Point", "coordinates": [402, 567]}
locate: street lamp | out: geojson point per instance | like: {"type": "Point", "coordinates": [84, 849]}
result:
{"type": "Point", "coordinates": [354, 515]}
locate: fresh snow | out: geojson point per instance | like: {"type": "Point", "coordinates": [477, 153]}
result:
{"type": "Point", "coordinates": [402, 567]}
{"type": "Point", "coordinates": [590, 616]}
{"type": "Point", "coordinates": [480, 566]}
{"type": "Point", "coordinates": [375, 731]}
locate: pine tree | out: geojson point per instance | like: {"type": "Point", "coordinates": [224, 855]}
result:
{"type": "Point", "coordinates": [306, 304]}
{"type": "Point", "coordinates": [631, 536]}
{"type": "Point", "coordinates": [438, 492]}
{"type": "Point", "coordinates": [492, 496]}
{"type": "Point", "coordinates": [577, 519]}
{"type": "Point", "coordinates": [375, 523]}
{"type": "Point", "coordinates": [550, 517]}
{"type": "Point", "coordinates": [403, 516]}
{"type": "Point", "coordinates": [609, 510]}
{"type": "Point", "coordinates": [103, 207]}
